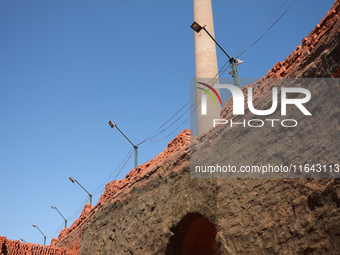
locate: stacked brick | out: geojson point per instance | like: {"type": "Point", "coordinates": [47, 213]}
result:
{"type": "Point", "coordinates": [2, 244]}
{"type": "Point", "coordinates": [87, 209]}
{"type": "Point", "coordinates": [9, 247]}
{"type": "Point", "coordinates": [289, 67]}
{"type": "Point", "coordinates": [281, 69]}
{"type": "Point", "coordinates": [181, 140]}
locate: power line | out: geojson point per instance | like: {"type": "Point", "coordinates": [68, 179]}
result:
{"type": "Point", "coordinates": [149, 140]}
{"type": "Point", "coordinates": [259, 31]}
{"type": "Point", "coordinates": [56, 231]}
{"type": "Point", "coordinates": [221, 71]}
{"type": "Point", "coordinates": [79, 210]}
{"type": "Point", "coordinates": [124, 160]}
{"type": "Point", "coordinates": [152, 136]}
{"type": "Point", "coordinates": [117, 170]}
{"type": "Point", "coordinates": [261, 27]}
{"type": "Point", "coordinates": [267, 29]}
{"type": "Point", "coordinates": [213, 80]}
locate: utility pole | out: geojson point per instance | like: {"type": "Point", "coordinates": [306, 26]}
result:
{"type": "Point", "coordinates": [53, 207]}
{"type": "Point", "coordinates": [233, 62]}
{"type": "Point", "coordinates": [112, 125]}
{"type": "Point", "coordinates": [74, 180]}
{"type": "Point", "coordinates": [35, 226]}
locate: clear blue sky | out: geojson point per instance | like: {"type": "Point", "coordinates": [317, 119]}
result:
{"type": "Point", "coordinates": [68, 67]}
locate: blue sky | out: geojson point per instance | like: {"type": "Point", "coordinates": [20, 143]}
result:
{"type": "Point", "coordinates": [68, 67]}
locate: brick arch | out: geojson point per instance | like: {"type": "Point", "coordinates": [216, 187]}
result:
{"type": "Point", "coordinates": [193, 235]}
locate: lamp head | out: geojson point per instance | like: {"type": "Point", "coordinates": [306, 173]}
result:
{"type": "Point", "coordinates": [196, 27]}
{"type": "Point", "coordinates": [34, 226]}
{"type": "Point", "coordinates": [238, 61]}
{"type": "Point", "coordinates": [112, 125]}
{"type": "Point", "coordinates": [72, 180]}
{"type": "Point", "coordinates": [52, 207]}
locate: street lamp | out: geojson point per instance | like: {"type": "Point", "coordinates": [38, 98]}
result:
{"type": "Point", "coordinates": [35, 226]}
{"type": "Point", "coordinates": [22, 240]}
{"type": "Point", "coordinates": [233, 62]}
{"type": "Point", "coordinates": [61, 215]}
{"type": "Point", "coordinates": [74, 180]}
{"type": "Point", "coordinates": [134, 146]}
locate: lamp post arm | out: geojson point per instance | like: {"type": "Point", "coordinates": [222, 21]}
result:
{"type": "Point", "coordinates": [83, 188]}
{"type": "Point", "coordinates": [126, 137]}
{"type": "Point", "coordinates": [217, 43]}
{"type": "Point", "coordinates": [41, 232]}
{"type": "Point", "coordinates": [60, 213]}
{"type": "Point", "coordinates": [232, 62]}
{"type": "Point", "coordinates": [134, 146]}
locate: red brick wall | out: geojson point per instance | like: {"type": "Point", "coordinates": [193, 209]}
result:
{"type": "Point", "coordinates": [9, 247]}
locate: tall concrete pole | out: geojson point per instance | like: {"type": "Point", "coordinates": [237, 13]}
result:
{"type": "Point", "coordinates": [205, 64]}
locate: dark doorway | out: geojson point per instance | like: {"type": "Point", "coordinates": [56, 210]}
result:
{"type": "Point", "coordinates": [193, 235]}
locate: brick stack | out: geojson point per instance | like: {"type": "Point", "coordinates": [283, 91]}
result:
{"type": "Point", "coordinates": [181, 140]}
{"type": "Point", "coordinates": [2, 244]}
{"type": "Point", "coordinates": [17, 248]}
{"type": "Point", "coordinates": [87, 209]}
{"type": "Point", "coordinates": [281, 69]}
{"type": "Point", "coordinates": [286, 68]}
{"type": "Point", "coordinates": [289, 68]}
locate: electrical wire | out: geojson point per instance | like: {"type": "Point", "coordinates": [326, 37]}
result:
{"type": "Point", "coordinates": [156, 140]}
{"type": "Point", "coordinates": [222, 70]}
{"type": "Point", "coordinates": [164, 123]}
{"type": "Point", "coordinates": [96, 191]}
{"type": "Point", "coordinates": [117, 171]}
{"type": "Point", "coordinates": [41, 241]}
{"type": "Point", "coordinates": [149, 138]}
{"type": "Point", "coordinates": [267, 29]}
{"type": "Point", "coordinates": [153, 135]}
{"type": "Point", "coordinates": [79, 210]}
{"type": "Point", "coordinates": [165, 128]}
{"type": "Point", "coordinates": [56, 231]}
{"type": "Point", "coordinates": [121, 169]}
{"type": "Point", "coordinates": [261, 27]}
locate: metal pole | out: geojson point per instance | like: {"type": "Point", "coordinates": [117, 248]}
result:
{"type": "Point", "coordinates": [53, 207]}
{"type": "Point", "coordinates": [232, 61]}
{"type": "Point", "coordinates": [35, 226]}
{"type": "Point", "coordinates": [217, 43]}
{"type": "Point", "coordinates": [125, 136]}
{"type": "Point", "coordinates": [136, 156]}
{"type": "Point", "coordinates": [234, 72]}
{"type": "Point", "coordinates": [86, 191]}
{"type": "Point", "coordinates": [134, 146]}
{"type": "Point", "coordinates": [74, 180]}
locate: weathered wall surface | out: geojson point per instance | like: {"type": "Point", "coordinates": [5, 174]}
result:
{"type": "Point", "coordinates": [174, 157]}
{"type": "Point", "coordinates": [251, 216]}
{"type": "Point", "coordinates": [284, 216]}
{"type": "Point", "coordinates": [318, 56]}
{"type": "Point", "coordinates": [158, 208]}
{"type": "Point", "coordinates": [320, 39]}
{"type": "Point", "coordinates": [150, 210]}
{"type": "Point", "coordinates": [141, 224]}
{"type": "Point", "coordinates": [9, 247]}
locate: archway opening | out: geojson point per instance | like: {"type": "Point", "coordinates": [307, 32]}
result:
{"type": "Point", "coordinates": [193, 235]}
